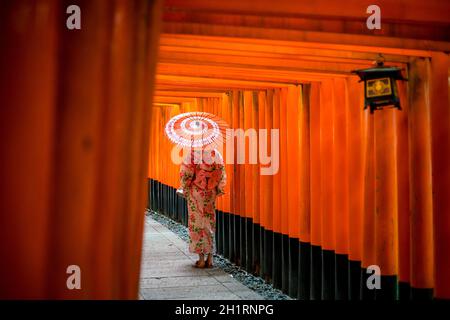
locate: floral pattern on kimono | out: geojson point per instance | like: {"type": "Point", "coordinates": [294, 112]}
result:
{"type": "Point", "coordinates": [203, 179]}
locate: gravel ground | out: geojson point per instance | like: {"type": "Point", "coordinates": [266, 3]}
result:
{"type": "Point", "coordinates": [255, 283]}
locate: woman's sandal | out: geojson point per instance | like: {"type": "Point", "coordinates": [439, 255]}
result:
{"type": "Point", "coordinates": [209, 264]}
{"type": "Point", "coordinates": [197, 264]}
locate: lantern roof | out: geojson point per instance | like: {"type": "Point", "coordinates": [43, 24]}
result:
{"type": "Point", "coordinates": [380, 70]}
{"type": "Point", "coordinates": [376, 72]}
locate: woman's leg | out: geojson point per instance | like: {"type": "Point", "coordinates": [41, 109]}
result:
{"type": "Point", "coordinates": [201, 261]}
{"type": "Point", "coordinates": [209, 260]}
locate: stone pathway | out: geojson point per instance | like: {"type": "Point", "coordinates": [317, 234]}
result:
{"type": "Point", "coordinates": [167, 272]}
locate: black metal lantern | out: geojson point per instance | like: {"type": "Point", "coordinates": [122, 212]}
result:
{"type": "Point", "coordinates": [380, 86]}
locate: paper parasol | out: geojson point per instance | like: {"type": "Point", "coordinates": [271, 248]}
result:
{"type": "Point", "coordinates": [196, 129]}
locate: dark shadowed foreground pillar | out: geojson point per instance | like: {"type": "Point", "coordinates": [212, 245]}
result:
{"type": "Point", "coordinates": [74, 118]}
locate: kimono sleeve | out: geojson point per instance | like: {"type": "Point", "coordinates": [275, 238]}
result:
{"type": "Point", "coordinates": [187, 172]}
{"type": "Point", "coordinates": [222, 181]}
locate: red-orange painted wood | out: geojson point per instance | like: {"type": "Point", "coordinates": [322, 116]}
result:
{"type": "Point", "coordinates": [316, 204]}
{"type": "Point", "coordinates": [422, 251]}
{"type": "Point", "coordinates": [277, 177]}
{"type": "Point", "coordinates": [292, 154]}
{"type": "Point", "coordinates": [440, 135]}
{"type": "Point", "coordinates": [266, 186]}
{"type": "Point", "coordinates": [257, 103]}
{"type": "Point", "coordinates": [27, 144]}
{"type": "Point", "coordinates": [227, 116]}
{"type": "Point", "coordinates": [327, 192]}
{"type": "Point", "coordinates": [248, 185]}
{"type": "Point", "coordinates": [263, 204]}
{"type": "Point", "coordinates": [82, 196]}
{"type": "Point", "coordinates": [386, 193]}
{"type": "Point", "coordinates": [404, 268]}
{"type": "Point", "coordinates": [236, 168]}
{"type": "Point", "coordinates": [340, 166]}
{"type": "Point", "coordinates": [368, 253]}
{"type": "Point", "coordinates": [355, 149]}
{"type": "Point", "coordinates": [304, 214]}
{"type": "Point", "coordinates": [322, 8]}
{"type": "Point", "coordinates": [284, 160]}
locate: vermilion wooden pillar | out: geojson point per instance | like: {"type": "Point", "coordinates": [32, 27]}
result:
{"type": "Point", "coordinates": [255, 262]}
{"type": "Point", "coordinates": [304, 176]}
{"type": "Point", "coordinates": [327, 192]}
{"type": "Point", "coordinates": [277, 199]}
{"type": "Point", "coordinates": [90, 127]}
{"type": "Point", "coordinates": [284, 161]}
{"type": "Point", "coordinates": [386, 202]}
{"type": "Point", "coordinates": [262, 186]}
{"type": "Point", "coordinates": [228, 245]}
{"type": "Point", "coordinates": [422, 250]}
{"type": "Point", "coordinates": [266, 190]}
{"type": "Point", "coordinates": [241, 214]}
{"type": "Point", "coordinates": [403, 194]}
{"type": "Point", "coordinates": [355, 149]}
{"type": "Point", "coordinates": [293, 182]}
{"type": "Point", "coordinates": [248, 189]}
{"type": "Point", "coordinates": [146, 36]}
{"type": "Point", "coordinates": [316, 205]}
{"type": "Point", "coordinates": [236, 207]}
{"type": "Point", "coordinates": [341, 182]}
{"type": "Point", "coordinates": [111, 154]}
{"type": "Point", "coordinates": [368, 221]}
{"type": "Point", "coordinates": [440, 135]}
{"type": "Point", "coordinates": [27, 123]}
{"type": "Point", "coordinates": [226, 113]}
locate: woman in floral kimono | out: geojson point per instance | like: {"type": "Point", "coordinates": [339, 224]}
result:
{"type": "Point", "coordinates": [203, 179]}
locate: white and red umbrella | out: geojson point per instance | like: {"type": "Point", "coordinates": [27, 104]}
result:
{"type": "Point", "coordinates": [196, 129]}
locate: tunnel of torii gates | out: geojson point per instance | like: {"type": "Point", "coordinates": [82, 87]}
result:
{"type": "Point", "coordinates": [83, 149]}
